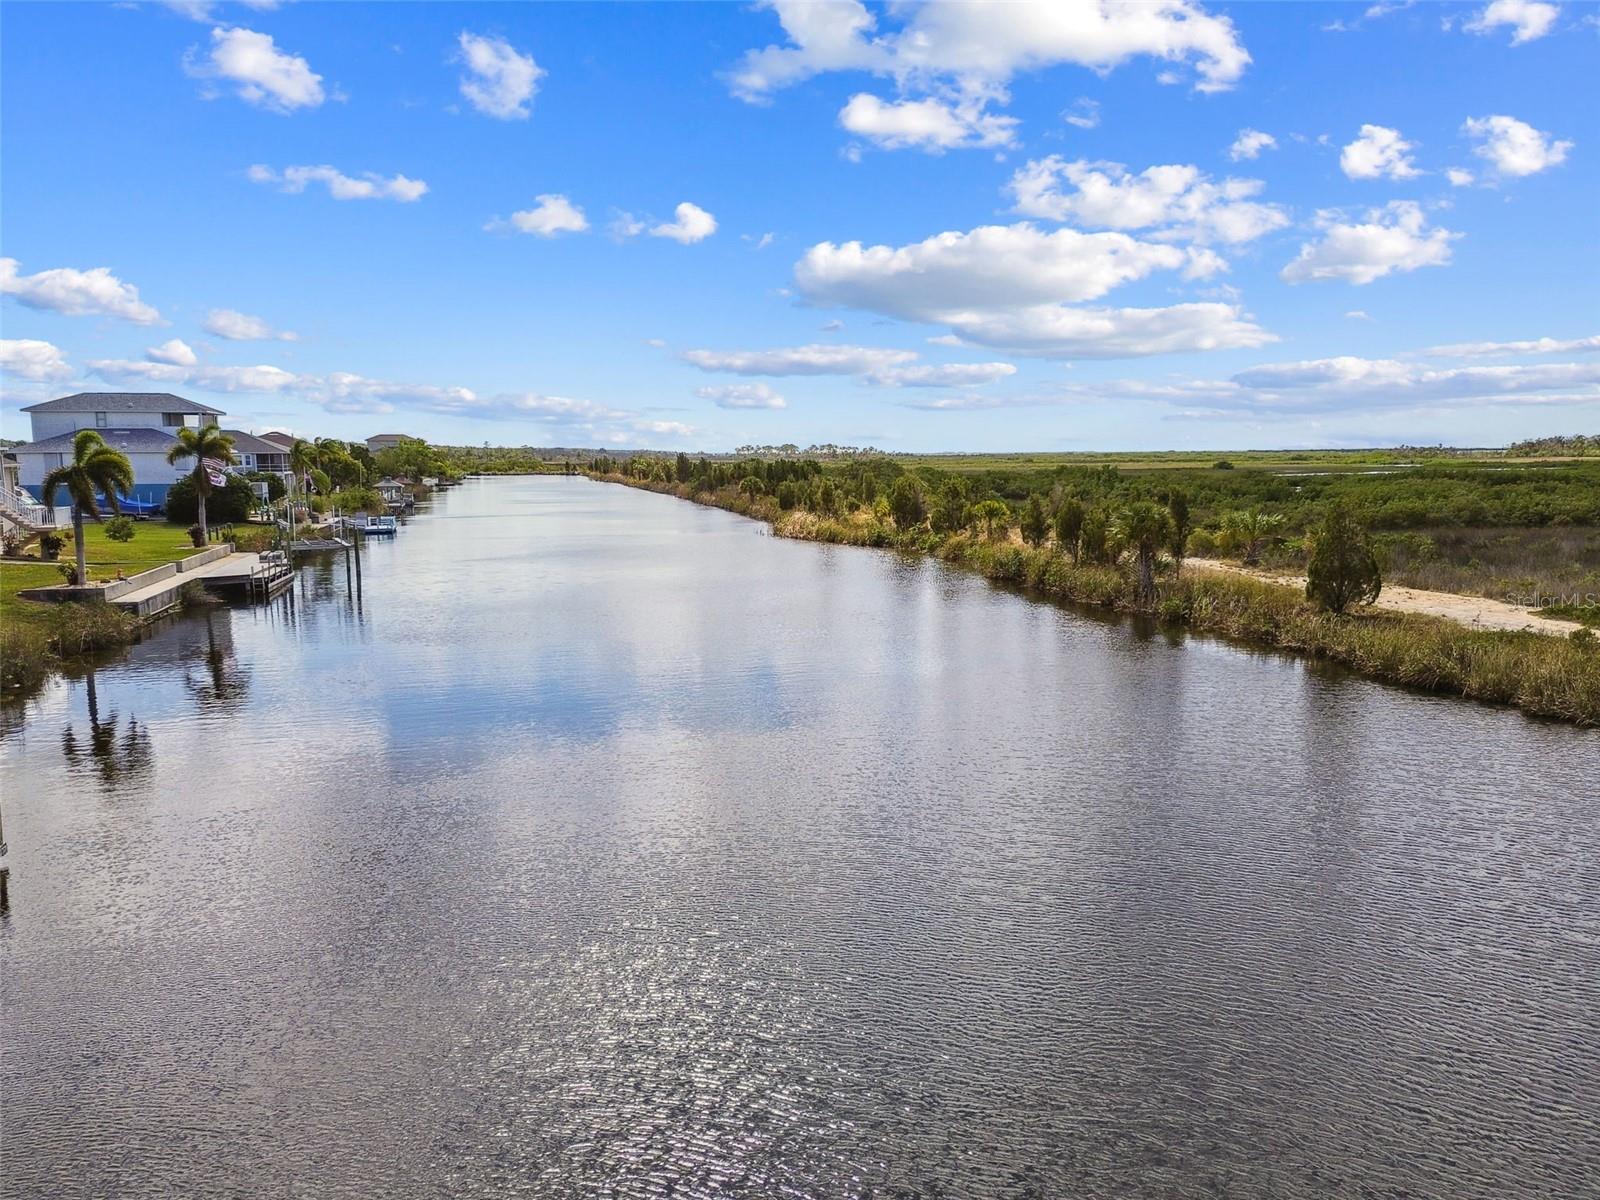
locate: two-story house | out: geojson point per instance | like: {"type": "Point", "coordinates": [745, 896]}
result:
{"type": "Point", "coordinates": [259, 453]}
{"type": "Point", "coordinates": [140, 424]}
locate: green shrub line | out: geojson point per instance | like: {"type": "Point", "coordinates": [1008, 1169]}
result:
{"type": "Point", "coordinates": [1541, 674]}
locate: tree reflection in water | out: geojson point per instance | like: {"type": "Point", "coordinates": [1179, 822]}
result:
{"type": "Point", "coordinates": [225, 684]}
{"type": "Point", "coordinates": [117, 755]}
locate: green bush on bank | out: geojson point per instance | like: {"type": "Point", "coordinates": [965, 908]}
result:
{"type": "Point", "coordinates": [234, 501]}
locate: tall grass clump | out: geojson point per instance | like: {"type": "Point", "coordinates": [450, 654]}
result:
{"type": "Point", "coordinates": [25, 657]}
{"type": "Point", "coordinates": [76, 629]}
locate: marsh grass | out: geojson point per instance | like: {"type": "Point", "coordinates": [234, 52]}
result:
{"type": "Point", "coordinates": [1517, 564]}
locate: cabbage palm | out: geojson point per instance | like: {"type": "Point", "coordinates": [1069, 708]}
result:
{"type": "Point", "coordinates": [302, 458]}
{"type": "Point", "coordinates": [201, 444]}
{"type": "Point", "coordinates": [1252, 528]}
{"type": "Point", "coordinates": [95, 467]}
{"type": "Point", "coordinates": [1145, 526]}
{"type": "Point", "coordinates": [993, 515]}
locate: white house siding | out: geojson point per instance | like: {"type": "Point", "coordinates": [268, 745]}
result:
{"type": "Point", "coordinates": [49, 424]}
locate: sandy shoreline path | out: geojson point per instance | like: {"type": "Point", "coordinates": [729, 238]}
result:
{"type": "Point", "coordinates": [1476, 612]}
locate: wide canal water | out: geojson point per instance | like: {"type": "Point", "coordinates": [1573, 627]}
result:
{"type": "Point", "coordinates": [604, 845]}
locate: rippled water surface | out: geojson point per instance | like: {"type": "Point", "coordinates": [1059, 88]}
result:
{"type": "Point", "coordinates": [603, 845]}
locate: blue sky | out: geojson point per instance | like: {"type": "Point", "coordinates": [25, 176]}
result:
{"type": "Point", "coordinates": [936, 227]}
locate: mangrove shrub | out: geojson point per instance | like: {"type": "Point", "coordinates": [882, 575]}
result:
{"type": "Point", "coordinates": [1343, 570]}
{"type": "Point", "coordinates": [1035, 525]}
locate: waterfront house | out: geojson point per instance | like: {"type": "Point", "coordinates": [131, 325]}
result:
{"type": "Point", "coordinates": [395, 494]}
{"type": "Point", "coordinates": [278, 438]}
{"type": "Point", "coordinates": [386, 441]}
{"type": "Point", "coordinates": [140, 424]}
{"type": "Point", "coordinates": [259, 454]}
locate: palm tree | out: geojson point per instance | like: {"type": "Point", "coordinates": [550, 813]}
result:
{"type": "Point", "coordinates": [1252, 527]}
{"type": "Point", "coordinates": [95, 467]}
{"type": "Point", "coordinates": [1145, 526]}
{"type": "Point", "coordinates": [302, 458]}
{"type": "Point", "coordinates": [201, 444]}
{"type": "Point", "coordinates": [994, 516]}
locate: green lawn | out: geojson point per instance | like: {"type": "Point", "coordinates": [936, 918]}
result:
{"type": "Point", "coordinates": [153, 544]}
{"type": "Point", "coordinates": [13, 578]}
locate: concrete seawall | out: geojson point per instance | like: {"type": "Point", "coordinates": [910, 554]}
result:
{"type": "Point", "coordinates": [151, 597]}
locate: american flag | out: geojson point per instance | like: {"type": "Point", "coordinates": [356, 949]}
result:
{"type": "Point", "coordinates": [215, 471]}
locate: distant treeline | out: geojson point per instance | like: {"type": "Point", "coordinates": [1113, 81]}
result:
{"type": "Point", "coordinates": [1414, 498]}
{"type": "Point", "coordinates": [510, 460]}
{"type": "Point", "coordinates": [824, 450]}
{"type": "Point", "coordinates": [1579, 445]}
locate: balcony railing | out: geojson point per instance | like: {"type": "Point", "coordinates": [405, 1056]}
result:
{"type": "Point", "coordinates": [23, 509]}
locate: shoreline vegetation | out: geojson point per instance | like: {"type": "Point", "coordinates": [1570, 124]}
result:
{"type": "Point", "coordinates": [1543, 675]}
{"type": "Point", "coordinates": [38, 639]}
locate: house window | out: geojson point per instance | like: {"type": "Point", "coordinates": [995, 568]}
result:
{"type": "Point", "coordinates": [172, 419]}
{"type": "Point", "coordinates": [100, 420]}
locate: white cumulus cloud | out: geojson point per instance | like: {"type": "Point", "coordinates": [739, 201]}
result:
{"type": "Point", "coordinates": [1529, 19]}
{"type": "Point", "coordinates": [1393, 238]}
{"type": "Point", "coordinates": [1378, 153]}
{"type": "Point", "coordinates": [1179, 201]}
{"type": "Point", "coordinates": [1009, 287]}
{"type": "Point", "coordinates": [978, 48]}
{"type": "Point", "coordinates": [1351, 385]}
{"type": "Point", "coordinates": [1544, 345]}
{"type": "Point", "coordinates": [261, 378]}
{"type": "Point", "coordinates": [236, 326]}
{"type": "Point", "coordinates": [1084, 113]}
{"type": "Point", "coordinates": [260, 73]}
{"type": "Point", "coordinates": [1064, 332]}
{"type": "Point", "coordinates": [370, 186]}
{"type": "Point", "coordinates": [692, 224]}
{"type": "Point", "coordinates": [1514, 148]}
{"type": "Point", "coordinates": [552, 214]}
{"type": "Point", "coordinates": [742, 395]}
{"type": "Point", "coordinates": [800, 360]}
{"type": "Point", "coordinates": [176, 352]}
{"type": "Point", "coordinates": [993, 266]}
{"type": "Point", "coordinates": [38, 361]}
{"type": "Point", "coordinates": [92, 293]}
{"type": "Point", "coordinates": [943, 375]}
{"type": "Point", "coordinates": [1250, 143]}
{"type": "Point", "coordinates": [927, 124]}
{"type": "Point", "coordinates": [499, 81]}
{"type": "Point", "coordinates": [562, 420]}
